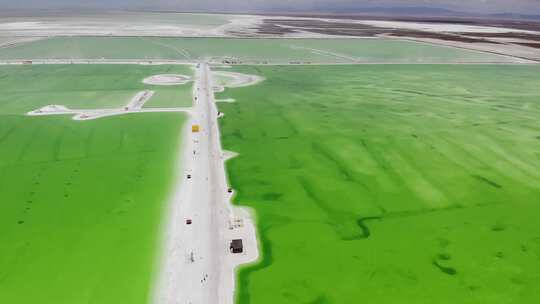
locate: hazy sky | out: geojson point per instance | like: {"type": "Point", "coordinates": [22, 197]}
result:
{"type": "Point", "coordinates": [482, 6]}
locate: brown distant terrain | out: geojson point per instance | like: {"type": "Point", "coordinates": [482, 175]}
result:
{"type": "Point", "coordinates": [337, 25]}
{"type": "Point", "coordinates": [529, 25]}
{"type": "Point", "coordinates": [288, 26]}
{"type": "Point", "coordinates": [533, 45]}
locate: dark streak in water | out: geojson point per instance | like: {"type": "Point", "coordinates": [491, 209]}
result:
{"type": "Point", "coordinates": [400, 214]}
{"type": "Point", "coordinates": [294, 163]}
{"type": "Point", "coordinates": [58, 144]}
{"type": "Point", "coordinates": [447, 270]}
{"type": "Point", "coordinates": [363, 142]}
{"type": "Point", "coordinates": [272, 196]}
{"type": "Point", "coordinates": [444, 256]}
{"type": "Point", "coordinates": [7, 134]}
{"type": "Point", "coordinates": [238, 134]}
{"type": "Point", "coordinates": [243, 294]}
{"type": "Point", "coordinates": [365, 232]}
{"type": "Point", "coordinates": [311, 193]}
{"type": "Point", "coordinates": [320, 300]}
{"type": "Point", "coordinates": [487, 181]}
{"type": "Point", "coordinates": [27, 144]}
{"type": "Point", "coordinates": [342, 168]}
{"type": "Point", "coordinates": [498, 227]}
{"type": "Point", "coordinates": [415, 92]}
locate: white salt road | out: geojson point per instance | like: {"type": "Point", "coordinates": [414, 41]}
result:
{"type": "Point", "coordinates": [326, 53]}
{"type": "Point", "coordinates": [83, 114]}
{"type": "Point", "coordinates": [167, 79]}
{"type": "Point", "coordinates": [94, 61]}
{"type": "Point", "coordinates": [226, 100]}
{"type": "Point", "coordinates": [234, 80]}
{"type": "Point", "coordinates": [511, 57]}
{"type": "Point", "coordinates": [11, 42]}
{"type": "Point", "coordinates": [197, 266]}
{"type": "Point", "coordinates": [438, 27]}
{"type": "Point", "coordinates": [135, 105]}
{"type": "Point", "coordinates": [138, 101]}
{"type": "Point", "coordinates": [129, 24]}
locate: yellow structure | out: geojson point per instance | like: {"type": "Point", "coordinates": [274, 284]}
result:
{"type": "Point", "coordinates": [195, 128]}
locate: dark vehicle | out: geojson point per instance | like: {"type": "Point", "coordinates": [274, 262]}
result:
{"type": "Point", "coordinates": [236, 246]}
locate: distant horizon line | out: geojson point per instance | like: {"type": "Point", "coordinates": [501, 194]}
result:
{"type": "Point", "coordinates": [396, 11]}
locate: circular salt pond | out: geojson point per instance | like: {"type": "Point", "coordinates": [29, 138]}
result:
{"type": "Point", "coordinates": [167, 79]}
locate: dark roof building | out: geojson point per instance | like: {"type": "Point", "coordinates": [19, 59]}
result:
{"type": "Point", "coordinates": [236, 246]}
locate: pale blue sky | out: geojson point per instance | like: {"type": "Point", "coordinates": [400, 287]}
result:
{"type": "Point", "coordinates": [477, 6]}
